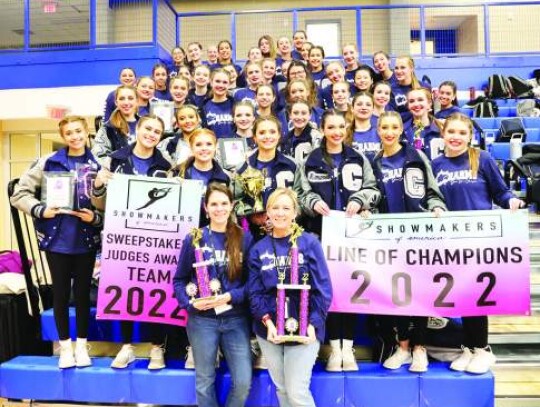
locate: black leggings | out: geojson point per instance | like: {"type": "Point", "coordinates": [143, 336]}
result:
{"type": "Point", "coordinates": [155, 332]}
{"type": "Point", "coordinates": [341, 325]}
{"type": "Point", "coordinates": [411, 328]}
{"type": "Point", "coordinates": [63, 268]}
{"type": "Point", "coordinates": [475, 331]}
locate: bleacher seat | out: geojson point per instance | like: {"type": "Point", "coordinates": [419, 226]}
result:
{"type": "Point", "coordinates": [38, 378]}
{"type": "Point", "coordinates": [533, 134]}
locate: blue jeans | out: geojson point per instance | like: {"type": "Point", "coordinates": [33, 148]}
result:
{"type": "Point", "coordinates": [290, 368]}
{"type": "Point", "coordinates": [232, 335]}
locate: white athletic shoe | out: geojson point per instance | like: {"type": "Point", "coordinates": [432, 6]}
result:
{"type": "Point", "coordinates": [82, 359]}
{"type": "Point", "coordinates": [419, 360]}
{"type": "Point", "coordinates": [67, 359]}
{"type": "Point", "coordinates": [349, 360]}
{"type": "Point", "coordinates": [157, 360]}
{"type": "Point", "coordinates": [398, 359]}
{"type": "Point", "coordinates": [461, 363]}
{"type": "Point", "coordinates": [124, 357]}
{"type": "Point", "coordinates": [482, 361]}
{"type": "Point", "coordinates": [335, 360]}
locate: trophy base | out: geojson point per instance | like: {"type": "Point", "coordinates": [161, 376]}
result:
{"type": "Point", "coordinates": [211, 298]}
{"type": "Point", "coordinates": [292, 338]}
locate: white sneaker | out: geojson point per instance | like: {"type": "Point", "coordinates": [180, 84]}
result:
{"type": "Point", "coordinates": [349, 360]}
{"type": "Point", "coordinates": [463, 360]}
{"type": "Point", "coordinates": [398, 359]}
{"type": "Point", "coordinates": [190, 362]}
{"type": "Point", "coordinates": [124, 357]}
{"type": "Point", "coordinates": [66, 359]}
{"type": "Point", "coordinates": [419, 360]}
{"type": "Point", "coordinates": [82, 359]}
{"type": "Point", "coordinates": [157, 361]}
{"type": "Point", "coordinates": [335, 360]}
{"type": "Point", "coordinates": [481, 361]}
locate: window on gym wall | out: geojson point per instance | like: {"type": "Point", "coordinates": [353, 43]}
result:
{"type": "Point", "coordinates": [326, 33]}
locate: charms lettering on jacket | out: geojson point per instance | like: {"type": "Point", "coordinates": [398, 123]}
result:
{"type": "Point", "coordinates": [302, 150]}
{"type": "Point", "coordinates": [401, 100]}
{"type": "Point", "coordinates": [318, 178]}
{"type": "Point", "coordinates": [215, 118]}
{"type": "Point", "coordinates": [444, 177]}
{"type": "Point", "coordinates": [369, 146]}
{"type": "Point", "coordinates": [436, 146]}
{"type": "Point", "coordinates": [269, 261]}
{"type": "Point", "coordinates": [413, 183]}
{"type": "Point", "coordinates": [351, 174]}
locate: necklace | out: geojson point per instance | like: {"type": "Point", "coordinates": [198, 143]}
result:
{"type": "Point", "coordinates": [281, 270]}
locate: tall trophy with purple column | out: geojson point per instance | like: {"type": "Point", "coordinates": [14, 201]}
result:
{"type": "Point", "coordinates": [296, 330]}
{"type": "Point", "coordinates": [206, 288]}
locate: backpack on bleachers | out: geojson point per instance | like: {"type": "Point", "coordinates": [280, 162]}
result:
{"type": "Point", "coordinates": [528, 108]}
{"type": "Point", "coordinates": [484, 107]}
{"type": "Point", "coordinates": [527, 166]}
{"type": "Point", "coordinates": [511, 128]}
{"type": "Point", "coordinates": [519, 87]}
{"type": "Point", "coordinates": [498, 87]}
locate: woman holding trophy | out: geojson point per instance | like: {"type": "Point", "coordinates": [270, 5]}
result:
{"type": "Point", "coordinates": [266, 169]}
{"type": "Point", "coordinates": [210, 283]}
{"type": "Point", "coordinates": [290, 293]}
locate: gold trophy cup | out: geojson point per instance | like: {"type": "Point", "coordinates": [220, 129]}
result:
{"type": "Point", "coordinates": [253, 181]}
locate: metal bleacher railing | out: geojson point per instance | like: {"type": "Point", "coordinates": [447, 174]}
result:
{"type": "Point", "coordinates": [479, 29]}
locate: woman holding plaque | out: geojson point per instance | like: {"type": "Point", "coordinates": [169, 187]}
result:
{"type": "Point", "coordinates": [289, 293]}
{"type": "Point", "coordinates": [401, 193]}
{"type": "Point", "coordinates": [141, 158]}
{"type": "Point", "coordinates": [70, 238]}
{"type": "Point", "coordinates": [266, 169]}
{"type": "Point", "coordinates": [336, 177]}
{"type": "Point", "coordinates": [119, 130]}
{"type": "Point", "coordinates": [210, 283]}
{"type": "Point", "coordinates": [470, 180]}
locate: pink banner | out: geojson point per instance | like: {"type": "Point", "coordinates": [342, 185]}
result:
{"type": "Point", "coordinates": [146, 220]}
{"type": "Point", "coordinates": [461, 264]}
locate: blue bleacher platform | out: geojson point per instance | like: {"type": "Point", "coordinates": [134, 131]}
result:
{"type": "Point", "coordinates": [38, 378]}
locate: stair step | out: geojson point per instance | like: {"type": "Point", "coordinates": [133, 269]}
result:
{"type": "Point", "coordinates": [176, 386]}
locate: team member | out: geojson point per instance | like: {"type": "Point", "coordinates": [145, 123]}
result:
{"type": "Point", "coordinates": [304, 137]}
{"type": "Point", "coordinates": [290, 365]}
{"type": "Point", "coordinates": [405, 194]}
{"type": "Point", "coordinates": [381, 63]}
{"type": "Point", "coordinates": [447, 100]}
{"type": "Point", "coordinates": [285, 52]}
{"type": "Point", "coordinates": [70, 238]}
{"type": "Point", "coordinates": [423, 131]}
{"type": "Point", "coordinates": [211, 55]}
{"type": "Point", "coordinates": [119, 130]}
{"type": "Point", "coordinates": [305, 51]}
{"type": "Point", "coordinates": [470, 180]}
{"type": "Point", "coordinates": [349, 53]}
{"type": "Point", "coordinates": [265, 96]}
{"type": "Point", "coordinates": [381, 97]}
{"type": "Point", "coordinates": [179, 91]}
{"type": "Point", "coordinates": [176, 149]}
{"type": "Point", "coordinates": [160, 75]}
{"type": "Point", "coordinates": [405, 81]}
{"type": "Point", "coordinates": [363, 79]}
{"type": "Point", "coordinates": [127, 77]}
{"type": "Point", "coordinates": [244, 117]}
{"type": "Point", "coordinates": [334, 73]}
{"type": "Point", "coordinates": [178, 57]}
{"type": "Point", "coordinates": [336, 177]}
{"type": "Point", "coordinates": [267, 46]}
{"type": "Point", "coordinates": [225, 50]}
{"type": "Point", "coordinates": [201, 79]}
{"type": "Point", "coordinates": [277, 170]}
{"type": "Point", "coordinates": [141, 158]}
{"type": "Point", "coordinates": [341, 95]}
{"type": "Point", "coordinates": [363, 130]}
{"type": "Point", "coordinates": [145, 93]}
{"type": "Point", "coordinates": [223, 320]}
{"type": "Point", "coordinates": [194, 50]}
{"type": "Point", "coordinates": [217, 111]}
{"type": "Point", "coordinates": [299, 38]}
{"type": "Point", "coordinates": [254, 78]}
{"type": "Point", "coordinates": [316, 64]}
